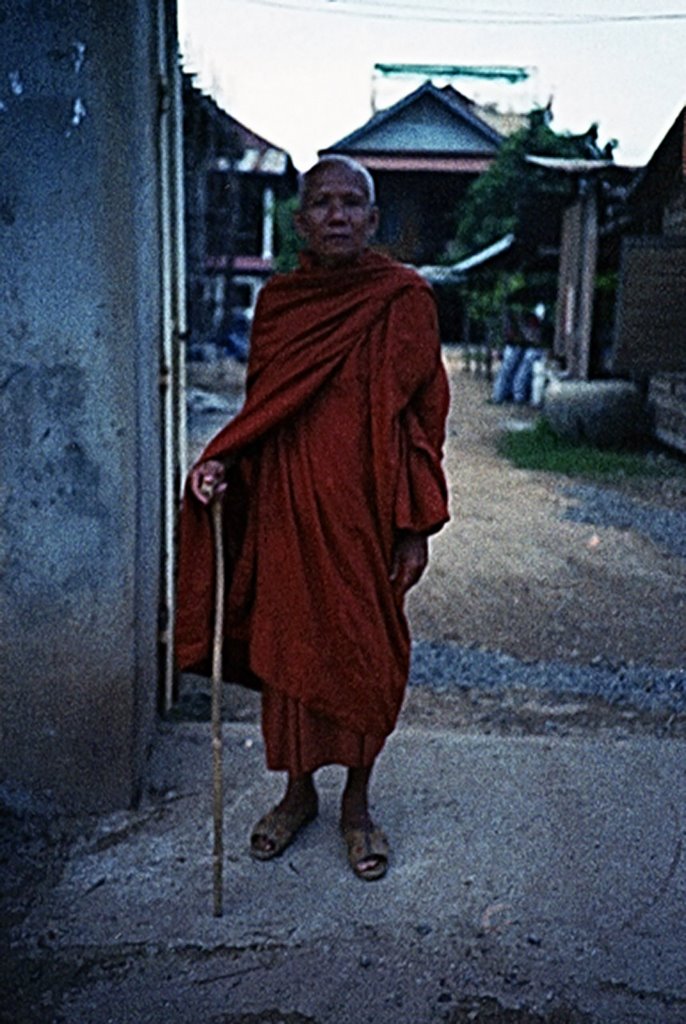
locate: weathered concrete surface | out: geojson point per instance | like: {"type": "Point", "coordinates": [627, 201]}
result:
{"type": "Point", "coordinates": [532, 879]}
{"type": "Point", "coordinates": [604, 413]}
{"type": "Point", "coordinates": [79, 399]}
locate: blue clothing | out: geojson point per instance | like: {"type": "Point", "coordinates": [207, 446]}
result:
{"type": "Point", "coordinates": [504, 381]}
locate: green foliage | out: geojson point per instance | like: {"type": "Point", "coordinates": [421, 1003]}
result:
{"type": "Point", "coordinates": [288, 243]}
{"type": "Point", "coordinates": [539, 448]}
{"type": "Point", "coordinates": [515, 196]}
{"type": "Point", "coordinates": [501, 198]}
{"type": "Point", "coordinates": [485, 304]}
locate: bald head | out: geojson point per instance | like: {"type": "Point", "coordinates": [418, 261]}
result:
{"type": "Point", "coordinates": [335, 161]}
{"type": "Point", "coordinates": [336, 217]}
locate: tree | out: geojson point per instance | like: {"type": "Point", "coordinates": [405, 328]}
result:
{"type": "Point", "coordinates": [288, 244]}
{"type": "Point", "coordinates": [502, 199]}
{"type": "Point", "coordinates": [515, 196]}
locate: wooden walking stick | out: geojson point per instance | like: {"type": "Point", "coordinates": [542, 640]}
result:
{"type": "Point", "coordinates": [217, 789]}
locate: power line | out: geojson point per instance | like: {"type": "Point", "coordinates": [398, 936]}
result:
{"type": "Point", "coordinates": [415, 8]}
{"type": "Point", "coordinates": [395, 10]}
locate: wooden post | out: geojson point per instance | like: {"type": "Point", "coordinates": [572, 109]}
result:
{"type": "Point", "coordinates": [217, 759]}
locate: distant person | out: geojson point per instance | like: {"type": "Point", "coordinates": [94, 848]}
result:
{"type": "Point", "coordinates": [523, 347]}
{"type": "Point", "coordinates": [333, 483]}
{"type": "Point", "coordinates": [513, 350]}
{"type": "Point", "coordinates": [532, 336]}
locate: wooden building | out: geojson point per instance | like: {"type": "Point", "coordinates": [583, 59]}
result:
{"type": "Point", "coordinates": [581, 224]}
{"type": "Point", "coordinates": [233, 178]}
{"type": "Point", "coordinates": [650, 333]}
{"type": "Point", "coordinates": [650, 330]}
{"type": "Point", "coordinates": [424, 152]}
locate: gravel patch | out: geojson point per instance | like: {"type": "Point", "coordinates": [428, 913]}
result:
{"type": "Point", "coordinates": [666, 527]}
{"type": "Point", "coordinates": [445, 666]}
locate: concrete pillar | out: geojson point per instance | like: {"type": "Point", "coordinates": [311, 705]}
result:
{"type": "Point", "coordinates": [79, 392]}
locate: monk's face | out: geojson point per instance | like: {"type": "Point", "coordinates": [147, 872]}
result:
{"type": "Point", "coordinates": [336, 219]}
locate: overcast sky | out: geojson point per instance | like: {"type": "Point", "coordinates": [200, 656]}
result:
{"type": "Point", "coordinates": [299, 72]}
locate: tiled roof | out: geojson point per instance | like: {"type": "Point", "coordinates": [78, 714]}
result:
{"type": "Point", "coordinates": [259, 155]}
{"type": "Point", "coordinates": [428, 121]}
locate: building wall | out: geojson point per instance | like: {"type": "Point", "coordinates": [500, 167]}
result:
{"type": "Point", "coordinates": [674, 218]}
{"type": "Point", "coordinates": [80, 448]}
{"type": "Point", "coordinates": [651, 307]}
{"type": "Point", "coordinates": [418, 212]}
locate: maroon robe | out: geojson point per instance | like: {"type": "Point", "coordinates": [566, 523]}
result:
{"type": "Point", "coordinates": [338, 450]}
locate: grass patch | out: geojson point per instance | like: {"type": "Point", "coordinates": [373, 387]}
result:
{"type": "Point", "coordinates": [539, 448]}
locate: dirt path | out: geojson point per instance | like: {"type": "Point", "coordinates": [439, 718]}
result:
{"type": "Point", "coordinates": [511, 573]}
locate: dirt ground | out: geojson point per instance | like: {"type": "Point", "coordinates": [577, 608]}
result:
{"type": "Point", "coordinates": [511, 574]}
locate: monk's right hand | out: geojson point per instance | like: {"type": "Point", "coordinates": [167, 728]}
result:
{"type": "Point", "coordinates": [208, 479]}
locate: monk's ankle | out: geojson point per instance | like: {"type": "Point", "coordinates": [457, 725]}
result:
{"type": "Point", "coordinates": [300, 792]}
{"type": "Point", "coordinates": [355, 811]}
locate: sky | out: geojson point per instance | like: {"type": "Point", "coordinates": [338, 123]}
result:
{"type": "Point", "coordinates": [301, 72]}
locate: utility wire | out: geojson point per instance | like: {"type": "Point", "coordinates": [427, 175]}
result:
{"type": "Point", "coordinates": [415, 8]}
{"type": "Point", "coordinates": [397, 11]}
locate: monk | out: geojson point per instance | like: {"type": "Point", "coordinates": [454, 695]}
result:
{"type": "Point", "coordinates": [331, 482]}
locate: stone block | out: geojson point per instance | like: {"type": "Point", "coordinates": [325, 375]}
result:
{"type": "Point", "coordinates": [603, 413]}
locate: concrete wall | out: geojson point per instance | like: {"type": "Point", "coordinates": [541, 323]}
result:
{"type": "Point", "coordinates": [79, 392]}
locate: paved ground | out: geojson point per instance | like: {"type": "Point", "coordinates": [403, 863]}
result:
{"type": "Point", "coordinates": [533, 880]}
{"type": "Point", "coordinates": [537, 872]}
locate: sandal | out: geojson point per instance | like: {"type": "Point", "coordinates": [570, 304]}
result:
{"type": "Point", "coordinates": [279, 828]}
{"type": "Point", "coordinates": [368, 852]}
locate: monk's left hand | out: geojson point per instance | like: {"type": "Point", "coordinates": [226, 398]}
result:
{"type": "Point", "coordinates": [410, 555]}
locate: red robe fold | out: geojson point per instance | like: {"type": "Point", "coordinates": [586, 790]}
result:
{"type": "Point", "coordinates": [338, 448]}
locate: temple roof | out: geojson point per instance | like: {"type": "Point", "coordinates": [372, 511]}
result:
{"type": "Point", "coordinates": [428, 121]}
